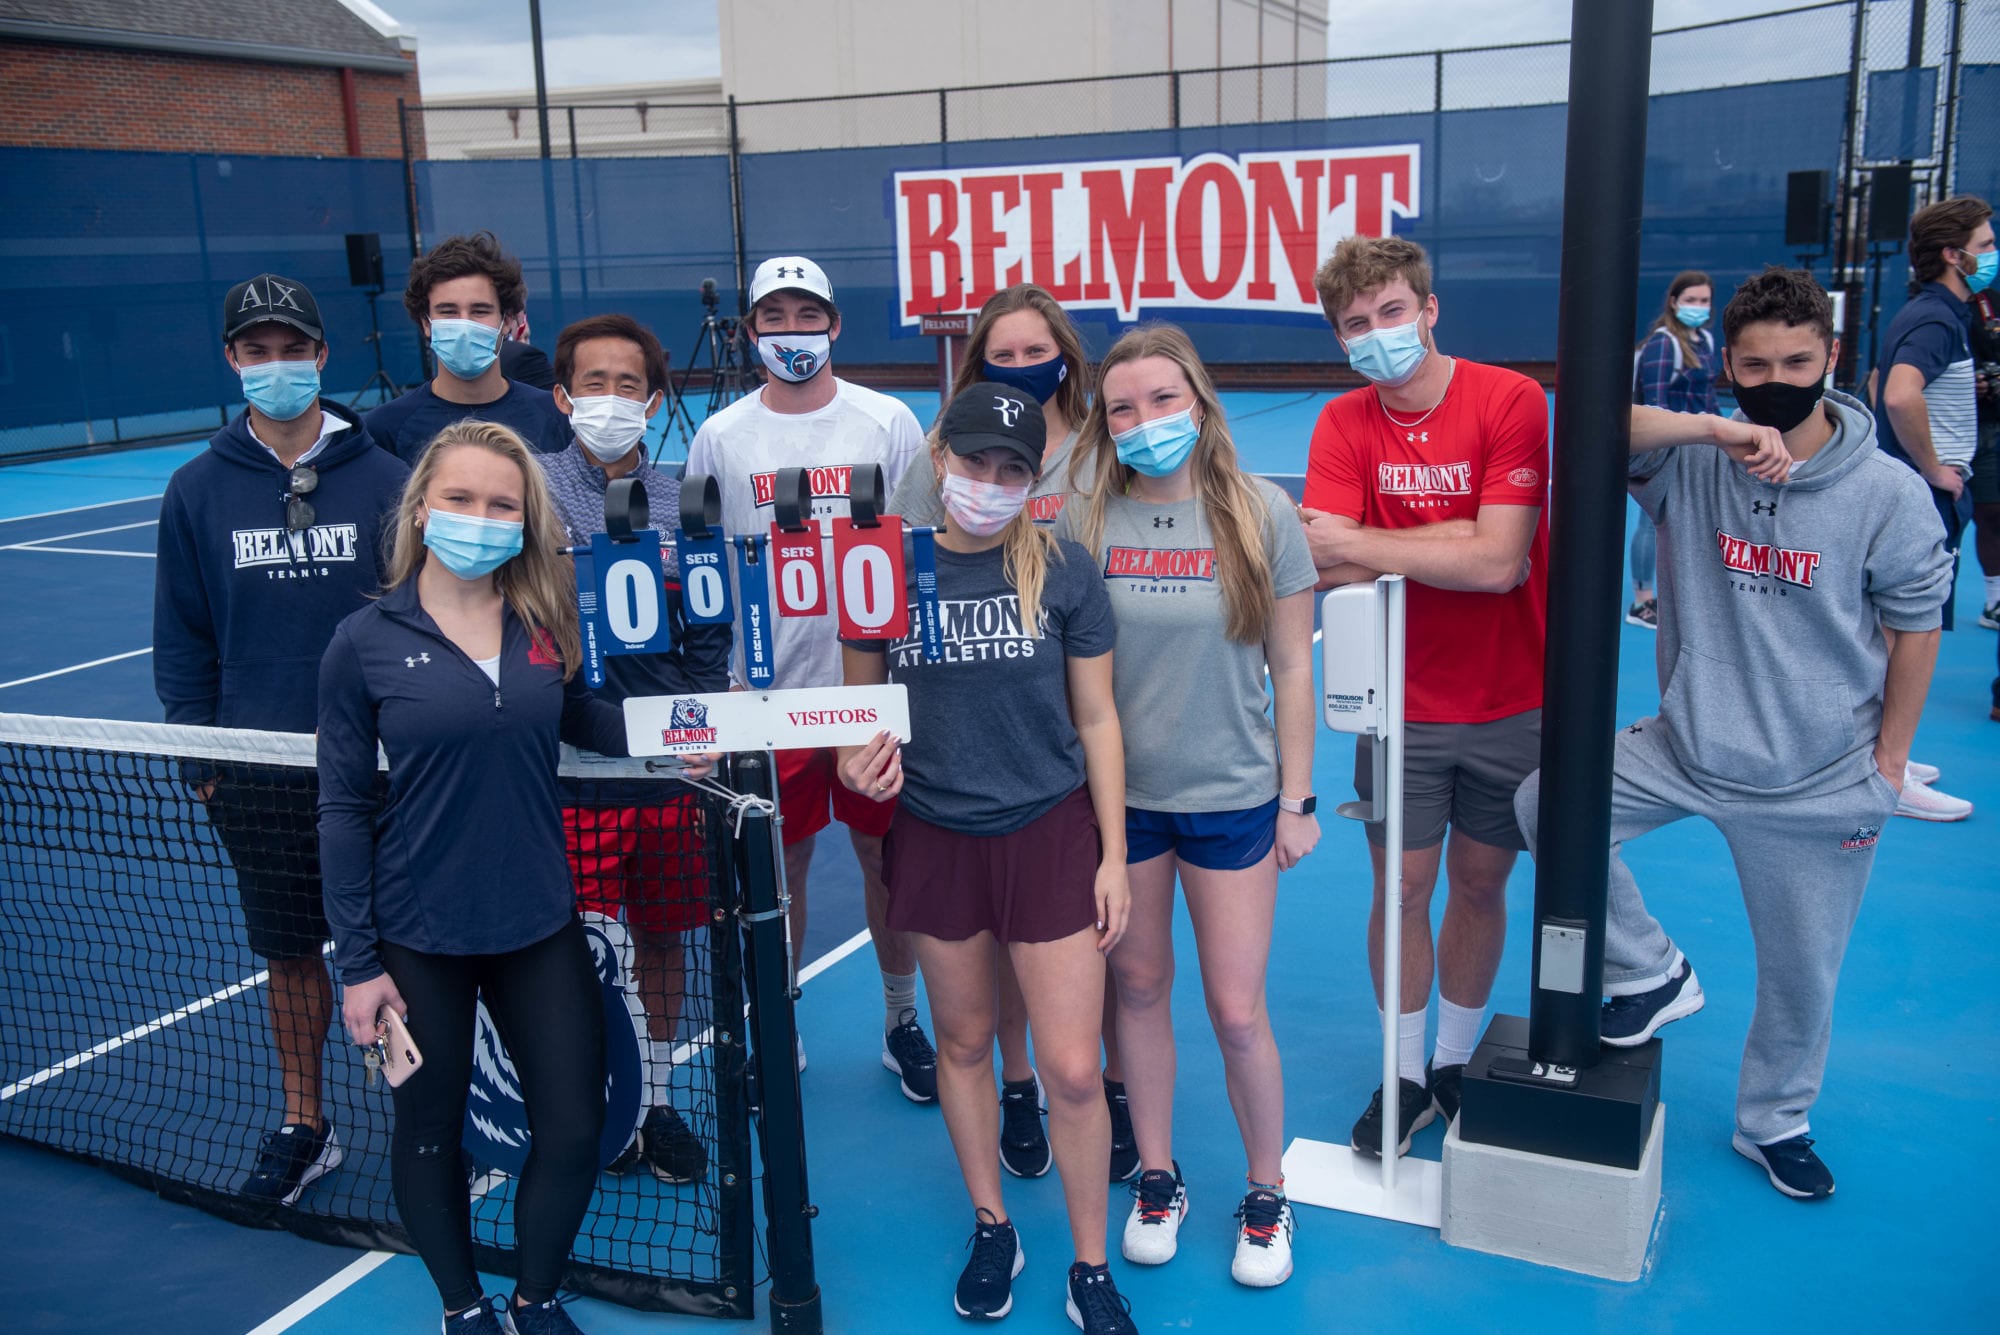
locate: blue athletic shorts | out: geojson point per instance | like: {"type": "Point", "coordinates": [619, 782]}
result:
{"type": "Point", "coordinates": [1215, 840]}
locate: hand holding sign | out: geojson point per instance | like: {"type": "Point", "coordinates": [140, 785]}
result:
{"type": "Point", "coordinates": [876, 770]}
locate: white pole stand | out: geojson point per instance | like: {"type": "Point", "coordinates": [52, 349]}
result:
{"type": "Point", "coordinates": [1361, 668]}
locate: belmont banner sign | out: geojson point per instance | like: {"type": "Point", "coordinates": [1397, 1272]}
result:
{"type": "Point", "coordinates": [1241, 233]}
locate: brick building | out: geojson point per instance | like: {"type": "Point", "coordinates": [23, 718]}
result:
{"type": "Point", "coordinates": [296, 78]}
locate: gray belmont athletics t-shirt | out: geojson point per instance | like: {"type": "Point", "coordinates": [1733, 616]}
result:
{"type": "Point", "coordinates": [991, 742]}
{"type": "Point", "coordinates": [916, 496]}
{"type": "Point", "coordinates": [1192, 702]}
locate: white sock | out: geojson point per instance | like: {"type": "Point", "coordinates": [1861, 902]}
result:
{"type": "Point", "coordinates": [899, 994]}
{"type": "Point", "coordinates": [1409, 1043]}
{"type": "Point", "coordinates": [659, 1072]}
{"type": "Point", "coordinates": [1458, 1032]}
{"type": "Point", "coordinates": [1992, 590]}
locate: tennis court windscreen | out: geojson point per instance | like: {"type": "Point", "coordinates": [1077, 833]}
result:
{"type": "Point", "coordinates": [139, 1029]}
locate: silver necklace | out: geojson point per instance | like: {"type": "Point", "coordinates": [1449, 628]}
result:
{"type": "Point", "coordinates": [1407, 426]}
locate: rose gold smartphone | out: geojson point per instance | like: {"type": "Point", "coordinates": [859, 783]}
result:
{"type": "Point", "coordinates": [400, 1058]}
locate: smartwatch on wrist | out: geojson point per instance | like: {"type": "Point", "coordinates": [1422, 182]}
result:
{"type": "Point", "coordinates": [1298, 806]}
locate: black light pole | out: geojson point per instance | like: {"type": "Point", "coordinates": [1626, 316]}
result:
{"type": "Point", "coordinates": [1604, 176]}
{"type": "Point", "coordinates": [541, 80]}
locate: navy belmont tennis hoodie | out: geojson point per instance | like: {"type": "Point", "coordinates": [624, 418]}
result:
{"type": "Point", "coordinates": [462, 852]}
{"type": "Point", "coordinates": [242, 607]}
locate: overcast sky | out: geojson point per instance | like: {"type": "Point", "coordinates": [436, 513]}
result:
{"type": "Point", "coordinates": [482, 45]}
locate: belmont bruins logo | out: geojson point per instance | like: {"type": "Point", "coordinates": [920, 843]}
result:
{"type": "Point", "coordinates": [687, 724]}
{"type": "Point", "coordinates": [1864, 837]}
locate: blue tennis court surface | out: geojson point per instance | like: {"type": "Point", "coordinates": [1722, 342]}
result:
{"type": "Point", "coordinates": [1907, 1121]}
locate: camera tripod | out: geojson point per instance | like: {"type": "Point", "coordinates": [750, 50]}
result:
{"type": "Point", "coordinates": [390, 389]}
{"type": "Point", "coordinates": [731, 374]}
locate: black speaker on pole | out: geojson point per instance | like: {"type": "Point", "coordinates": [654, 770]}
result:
{"type": "Point", "coordinates": [1807, 218]}
{"type": "Point", "coordinates": [364, 259]}
{"type": "Point", "coordinates": [1889, 204]}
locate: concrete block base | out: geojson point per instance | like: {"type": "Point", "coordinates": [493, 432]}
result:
{"type": "Point", "coordinates": [1585, 1217]}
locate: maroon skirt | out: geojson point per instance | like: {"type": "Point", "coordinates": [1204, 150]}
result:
{"type": "Point", "coordinates": [1037, 884]}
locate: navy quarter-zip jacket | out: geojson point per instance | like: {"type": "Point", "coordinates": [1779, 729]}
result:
{"type": "Point", "coordinates": [243, 607]}
{"type": "Point", "coordinates": [460, 852]}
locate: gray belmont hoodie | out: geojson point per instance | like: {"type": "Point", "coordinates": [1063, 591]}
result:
{"type": "Point", "coordinates": [1773, 600]}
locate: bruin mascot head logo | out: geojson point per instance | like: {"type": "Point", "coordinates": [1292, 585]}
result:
{"type": "Point", "coordinates": [496, 1121]}
{"type": "Point", "coordinates": [798, 361]}
{"type": "Point", "coordinates": [689, 714]}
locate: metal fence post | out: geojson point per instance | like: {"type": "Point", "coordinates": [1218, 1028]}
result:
{"type": "Point", "coordinates": [410, 212]}
{"type": "Point", "coordinates": [944, 118]}
{"type": "Point", "coordinates": [1174, 99]}
{"type": "Point", "coordinates": [1951, 69]}
{"type": "Point", "coordinates": [1849, 155]}
{"type": "Point", "coordinates": [736, 215]}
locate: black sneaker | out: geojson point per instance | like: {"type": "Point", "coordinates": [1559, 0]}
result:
{"type": "Point", "coordinates": [1413, 1110]}
{"type": "Point", "coordinates": [1790, 1164]}
{"type": "Point", "coordinates": [1444, 1088]}
{"type": "Point", "coordinates": [542, 1318]}
{"type": "Point", "coordinates": [1124, 1149]}
{"type": "Point", "coordinates": [1626, 1022]}
{"type": "Point", "coordinates": [671, 1149]}
{"type": "Point", "coordinates": [629, 1157]}
{"type": "Point", "coordinates": [1024, 1144]}
{"type": "Point", "coordinates": [482, 1318]}
{"type": "Point", "coordinates": [1095, 1306]}
{"type": "Point", "coordinates": [292, 1158]}
{"type": "Point", "coordinates": [986, 1285]}
{"type": "Point", "coordinates": [907, 1052]}
{"type": "Point", "coordinates": [1645, 612]}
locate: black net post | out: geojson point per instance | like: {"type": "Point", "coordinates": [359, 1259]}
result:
{"type": "Point", "coordinates": [1604, 176]}
{"type": "Point", "coordinates": [788, 1211]}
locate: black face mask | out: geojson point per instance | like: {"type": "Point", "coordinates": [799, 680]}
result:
{"type": "Point", "coordinates": [1777, 404]}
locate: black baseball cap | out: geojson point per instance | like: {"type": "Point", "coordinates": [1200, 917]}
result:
{"type": "Point", "coordinates": [271, 298]}
{"type": "Point", "coordinates": [995, 417]}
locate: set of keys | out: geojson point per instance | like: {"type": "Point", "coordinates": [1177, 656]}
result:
{"type": "Point", "coordinates": [372, 1059]}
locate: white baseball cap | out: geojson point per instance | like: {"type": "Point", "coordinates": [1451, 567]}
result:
{"type": "Point", "coordinates": [793, 273]}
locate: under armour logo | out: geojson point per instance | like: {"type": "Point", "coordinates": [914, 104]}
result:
{"type": "Point", "coordinates": [1158, 522]}
{"type": "Point", "coordinates": [1763, 507]}
{"type": "Point", "coordinates": [1414, 436]}
{"type": "Point", "coordinates": [795, 271]}
{"type": "Point", "coordinates": [420, 658]}
{"type": "Point", "coordinates": [1009, 409]}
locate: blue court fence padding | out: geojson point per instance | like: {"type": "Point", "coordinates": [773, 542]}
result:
{"type": "Point", "coordinates": [112, 265]}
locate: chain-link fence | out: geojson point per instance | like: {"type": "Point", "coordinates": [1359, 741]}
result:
{"type": "Point", "coordinates": [633, 203]}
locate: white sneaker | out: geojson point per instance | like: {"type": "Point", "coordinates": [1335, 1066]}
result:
{"type": "Point", "coordinates": [1264, 1241]}
{"type": "Point", "coordinates": [801, 1041]}
{"type": "Point", "coordinates": [1159, 1207]}
{"type": "Point", "coordinates": [1918, 770]}
{"type": "Point", "coordinates": [1920, 801]}
{"type": "Point", "coordinates": [1990, 618]}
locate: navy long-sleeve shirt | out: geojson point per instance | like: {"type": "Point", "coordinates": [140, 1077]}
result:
{"type": "Point", "coordinates": [459, 851]}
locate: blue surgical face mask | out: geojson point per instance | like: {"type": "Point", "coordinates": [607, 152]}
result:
{"type": "Point", "coordinates": [282, 391]}
{"type": "Point", "coordinates": [1694, 317]}
{"type": "Point", "coordinates": [471, 546]}
{"type": "Point", "coordinates": [465, 347]}
{"type": "Point", "coordinates": [1159, 447]}
{"type": "Point", "coordinates": [1388, 356]}
{"type": "Point", "coordinates": [1039, 382]}
{"type": "Point", "coordinates": [1986, 268]}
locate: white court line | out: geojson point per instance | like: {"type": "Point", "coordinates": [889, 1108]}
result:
{"type": "Point", "coordinates": [78, 509]}
{"type": "Point", "coordinates": [75, 551]}
{"type": "Point", "coordinates": [95, 662]}
{"type": "Point", "coordinates": [356, 1271]}
{"type": "Point", "coordinates": [81, 533]}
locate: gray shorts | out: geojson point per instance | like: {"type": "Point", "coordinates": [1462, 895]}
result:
{"type": "Point", "coordinates": [1459, 774]}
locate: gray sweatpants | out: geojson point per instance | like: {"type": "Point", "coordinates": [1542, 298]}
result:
{"type": "Point", "coordinates": [1801, 863]}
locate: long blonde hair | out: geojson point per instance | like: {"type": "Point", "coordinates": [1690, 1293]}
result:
{"type": "Point", "coordinates": [1073, 395]}
{"type": "Point", "coordinates": [1026, 550]}
{"type": "Point", "coordinates": [540, 583]}
{"type": "Point", "coordinates": [1226, 496]}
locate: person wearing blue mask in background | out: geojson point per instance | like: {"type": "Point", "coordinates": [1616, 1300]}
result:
{"type": "Point", "coordinates": [1927, 411]}
{"type": "Point", "coordinates": [1675, 368]}
{"type": "Point", "coordinates": [462, 294]}
{"type": "Point", "coordinates": [267, 539]}
{"type": "Point", "coordinates": [1025, 340]}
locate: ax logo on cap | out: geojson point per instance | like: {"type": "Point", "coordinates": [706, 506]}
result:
{"type": "Point", "coordinates": [276, 296]}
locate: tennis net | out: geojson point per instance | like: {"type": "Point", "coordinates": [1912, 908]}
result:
{"type": "Point", "coordinates": [140, 1029]}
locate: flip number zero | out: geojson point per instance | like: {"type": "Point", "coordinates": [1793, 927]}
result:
{"type": "Point", "coordinates": [632, 600]}
{"type": "Point", "coordinates": [704, 590]}
{"type": "Point", "coordinates": [801, 588]}
{"type": "Point", "coordinates": [868, 587]}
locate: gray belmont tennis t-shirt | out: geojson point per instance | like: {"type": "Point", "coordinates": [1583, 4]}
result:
{"type": "Point", "coordinates": [1192, 702]}
{"type": "Point", "coordinates": [992, 745]}
{"type": "Point", "coordinates": [915, 498]}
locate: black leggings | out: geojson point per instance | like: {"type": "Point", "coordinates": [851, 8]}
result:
{"type": "Point", "coordinates": [544, 1001]}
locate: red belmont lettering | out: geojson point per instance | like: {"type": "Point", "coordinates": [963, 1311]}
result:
{"type": "Point", "coordinates": [1239, 233]}
{"type": "Point", "coordinates": [1767, 562]}
{"type": "Point", "coordinates": [829, 481]}
{"type": "Point", "coordinates": [1157, 563]}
